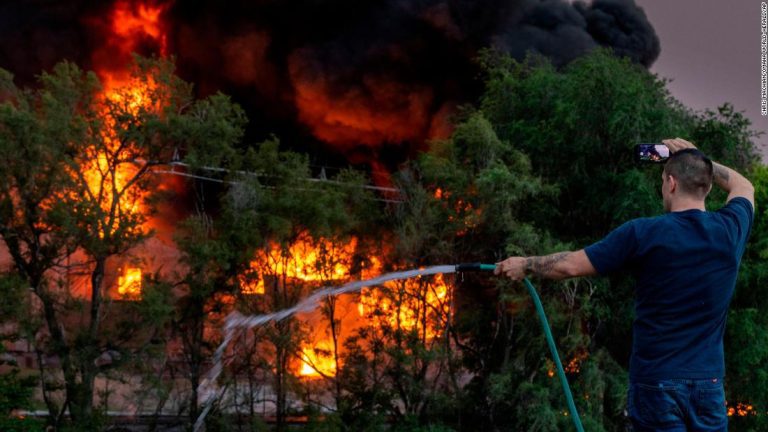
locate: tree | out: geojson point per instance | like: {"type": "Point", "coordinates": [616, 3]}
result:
{"type": "Point", "coordinates": [76, 188]}
{"type": "Point", "coordinates": [469, 199]}
{"type": "Point", "coordinates": [289, 210]}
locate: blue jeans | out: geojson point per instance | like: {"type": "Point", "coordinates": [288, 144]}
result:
{"type": "Point", "coordinates": [678, 405]}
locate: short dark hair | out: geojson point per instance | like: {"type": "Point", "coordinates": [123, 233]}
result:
{"type": "Point", "coordinates": [692, 170]}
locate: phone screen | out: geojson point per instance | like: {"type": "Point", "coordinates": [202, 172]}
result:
{"type": "Point", "coordinates": [654, 153]}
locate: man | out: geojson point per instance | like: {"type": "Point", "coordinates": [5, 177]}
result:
{"type": "Point", "coordinates": [685, 263]}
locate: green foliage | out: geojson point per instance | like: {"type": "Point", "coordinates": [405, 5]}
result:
{"type": "Point", "coordinates": [13, 291]}
{"type": "Point", "coordinates": [725, 135]}
{"type": "Point", "coordinates": [482, 181]}
{"type": "Point", "coordinates": [758, 247]}
{"type": "Point", "coordinates": [286, 201]}
{"type": "Point", "coordinates": [745, 361]}
{"type": "Point", "coordinates": [15, 391]}
{"type": "Point", "coordinates": [21, 425]}
{"type": "Point", "coordinates": [578, 126]}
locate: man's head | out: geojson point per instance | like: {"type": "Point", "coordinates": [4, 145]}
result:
{"type": "Point", "coordinates": [687, 176]}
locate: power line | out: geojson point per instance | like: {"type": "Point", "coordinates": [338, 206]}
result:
{"type": "Point", "coordinates": [172, 171]}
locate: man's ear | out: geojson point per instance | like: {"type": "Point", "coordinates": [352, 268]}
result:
{"type": "Point", "coordinates": [672, 183]}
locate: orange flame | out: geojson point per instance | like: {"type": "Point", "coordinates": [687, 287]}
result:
{"type": "Point", "coordinates": [108, 170]}
{"type": "Point", "coordinates": [415, 304]}
{"type": "Point", "coordinates": [420, 305]}
{"type": "Point", "coordinates": [741, 410]}
{"type": "Point", "coordinates": [129, 283]}
{"type": "Point", "coordinates": [574, 365]}
{"type": "Point", "coordinates": [377, 111]}
{"type": "Point", "coordinates": [250, 287]}
{"type": "Point", "coordinates": [461, 210]}
{"type": "Point", "coordinates": [131, 27]}
{"type": "Point", "coordinates": [130, 23]}
{"type": "Point", "coordinates": [318, 361]}
{"type": "Point", "coordinates": [306, 259]}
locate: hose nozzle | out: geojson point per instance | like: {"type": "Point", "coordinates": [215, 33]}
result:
{"type": "Point", "coordinates": [467, 267]}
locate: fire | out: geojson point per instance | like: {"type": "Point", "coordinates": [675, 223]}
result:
{"type": "Point", "coordinates": [550, 369]}
{"type": "Point", "coordinates": [107, 184]}
{"type": "Point", "coordinates": [131, 23]}
{"type": "Point", "coordinates": [309, 260]}
{"type": "Point", "coordinates": [318, 361]}
{"type": "Point", "coordinates": [741, 410]}
{"type": "Point", "coordinates": [250, 287]}
{"type": "Point", "coordinates": [131, 27]}
{"type": "Point", "coordinates": [129, 283]}
{"type": "Point", "coordinates": [415, 304]}
{"type": "Point", "coordinates": [376, 111]}
{"type": "Point", "coordinates": [460, 210]}
{"type": "Point", "coordinates": [110, 166]}
{"type": "Point", "coordinates": [421, 305]}
{"type": "Point", "coordinates": [108, 169]}
{"type": "Point", "coordinates": [574, 365]}
{"type": "Point", "coordinates": [305, 259]}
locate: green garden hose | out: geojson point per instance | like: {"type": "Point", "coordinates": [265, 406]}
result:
{"type": "Point", "coordinates": [553, 350]}
{"type": "Point", "coordinates": [547, 333]}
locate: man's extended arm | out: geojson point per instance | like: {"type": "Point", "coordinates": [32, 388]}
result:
{"type": "Point", "coordinates": [559, 265]}
{"type": "Point", "coordinates": [735, 184]}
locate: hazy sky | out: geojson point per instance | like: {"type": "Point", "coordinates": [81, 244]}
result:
{"type": "Point", "coordinates": [711, 51]}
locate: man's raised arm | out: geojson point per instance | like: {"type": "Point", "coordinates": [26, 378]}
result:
{"type": "Point", "coordinates": [735, 184]}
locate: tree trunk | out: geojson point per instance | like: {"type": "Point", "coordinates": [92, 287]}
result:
{"type": "Point", "coordinates": [195, 366]}
{"type": "Point", "coordinates": [280, 390]}
{"type": "Point", "coordinates": [80, 394]}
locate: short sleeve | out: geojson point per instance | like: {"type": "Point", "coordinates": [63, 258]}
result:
{"type": "Point", "coordinates": [739, 215]}
{"type": "Point", "coordinates": [612, 252]}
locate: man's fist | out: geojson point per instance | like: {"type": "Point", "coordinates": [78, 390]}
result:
{"type": "Point", "coordinates": [512, 267]}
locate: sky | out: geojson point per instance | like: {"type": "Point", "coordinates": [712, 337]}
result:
{"type": "Point", "coordinates": [710, 49]}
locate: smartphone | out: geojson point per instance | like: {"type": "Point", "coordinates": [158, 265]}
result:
{"type": "Point", "coordinates": [651, 152]}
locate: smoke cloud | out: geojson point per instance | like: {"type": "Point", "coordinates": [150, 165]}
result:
{"type": "Point", "coordinates": [365, 79]}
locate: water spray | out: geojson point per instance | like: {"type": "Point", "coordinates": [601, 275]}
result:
{"type": "Point", "coordinates": [236, 320]}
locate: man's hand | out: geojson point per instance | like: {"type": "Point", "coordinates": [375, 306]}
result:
{"type": "Point", "coordinates": [512, 267]}
{"type": "Point", "coordinates": [677, 144]}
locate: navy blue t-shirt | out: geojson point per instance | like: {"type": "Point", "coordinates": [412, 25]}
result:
{"type": "Point", "coordinates": [685, 266]}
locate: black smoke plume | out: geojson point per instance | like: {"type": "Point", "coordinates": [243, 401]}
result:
{"type": "Point", "coordinates": [368, 80]}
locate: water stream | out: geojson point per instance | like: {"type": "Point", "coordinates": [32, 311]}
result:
{"type": "Point", "coordinates": [236, 320]}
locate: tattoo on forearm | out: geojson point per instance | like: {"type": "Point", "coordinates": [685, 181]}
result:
{"type": "Point", "coordinates": [543, 265]}
{"type": "Point", "coordinates": [722, 173]}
